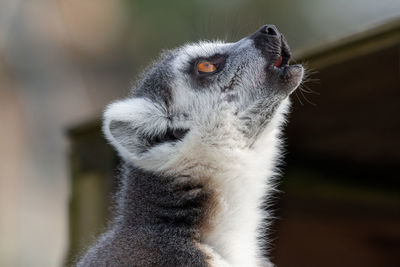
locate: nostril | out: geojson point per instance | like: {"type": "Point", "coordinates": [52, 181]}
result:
{"type": "Point", "coordinates": [270, 30]}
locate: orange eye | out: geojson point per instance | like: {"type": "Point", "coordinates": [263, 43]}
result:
{"type": "Point", "coordinates": [206, 67]}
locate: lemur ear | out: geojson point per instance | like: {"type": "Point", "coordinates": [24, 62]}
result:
{"type": "Point", "coordinates": [129, 123]}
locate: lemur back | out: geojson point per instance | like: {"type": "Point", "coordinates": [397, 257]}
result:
{"type": "Point", "coordinates": [199, 137]}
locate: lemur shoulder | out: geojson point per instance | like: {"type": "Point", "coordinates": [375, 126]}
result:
{"type": "Point", "coordinates": [199, 137]}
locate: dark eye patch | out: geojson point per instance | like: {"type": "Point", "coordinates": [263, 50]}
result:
{"type": "Point", "coordinates": [202, 78]}
{"type": "Point", "coordinates": [218, 60]}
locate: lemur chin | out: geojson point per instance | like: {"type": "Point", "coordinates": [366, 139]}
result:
{"type": "Point", "coordinates": [199, 137]}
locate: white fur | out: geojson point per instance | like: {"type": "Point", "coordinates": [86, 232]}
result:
{"type": "Point", "coordinates": [148, 115]}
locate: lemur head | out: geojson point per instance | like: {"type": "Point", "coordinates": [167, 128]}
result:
{"type": "Point", "coordinates": [208, 91]}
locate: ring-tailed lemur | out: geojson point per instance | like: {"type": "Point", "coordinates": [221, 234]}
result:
{"type": "Point", "coordinates": [200, 139]}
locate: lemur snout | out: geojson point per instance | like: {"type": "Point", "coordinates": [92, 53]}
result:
{"type": "Point", "coordinates": [272, 44]}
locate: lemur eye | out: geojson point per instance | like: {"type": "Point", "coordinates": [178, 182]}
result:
{"type": "Point", "coordinates": [206, 67]}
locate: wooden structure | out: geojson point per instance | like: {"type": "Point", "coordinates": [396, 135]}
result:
{"type": "Point", "coordinates": [341, 205]}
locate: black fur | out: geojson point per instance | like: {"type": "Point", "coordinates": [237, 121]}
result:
{"type": "Point", "coordinates": [156, 81]}
{"type": "Point", "coordinates": [171, 135]}
{"type": "Point", "coordinates": [157, 224]}
{"type": "Point", "coordinates": [200, 79]}
{"type": "Point", "coordinates": [271, 46]}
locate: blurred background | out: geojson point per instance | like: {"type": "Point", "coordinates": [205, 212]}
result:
{"type": "Point", "coordinates": [62, 61]}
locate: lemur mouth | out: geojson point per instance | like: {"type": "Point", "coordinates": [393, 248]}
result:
{"type": "Point", "coordinates": [287, 73]}
{"type": "Point", "coordinates": [276, 52]}
{"type": "Point", "coordinates": [284, 55]}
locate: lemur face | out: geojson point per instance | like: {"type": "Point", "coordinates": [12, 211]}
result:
{"type": "Point", "coordinates": [212, 91]}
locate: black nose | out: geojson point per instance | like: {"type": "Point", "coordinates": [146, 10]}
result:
{"type": "Point", "coordinates": [269, 29]}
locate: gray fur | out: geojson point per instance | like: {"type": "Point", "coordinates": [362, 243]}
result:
{"type": "Point", "coordinates": [153, 225]}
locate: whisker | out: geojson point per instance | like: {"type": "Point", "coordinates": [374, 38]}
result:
{"type": "Point", "coordinates": [304, 89]}
{"type": "Point", "coordinates": [306, 99]}
{"type": "Point", "coordinates": [297, 96]}
{"type": "Point", "coordinates": [307, 89]}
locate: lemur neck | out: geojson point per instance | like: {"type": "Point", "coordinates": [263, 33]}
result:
{"type": "Point", "coordinates": [217, 200]}
{"type": "Point", "coordinates": [163, 202]}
